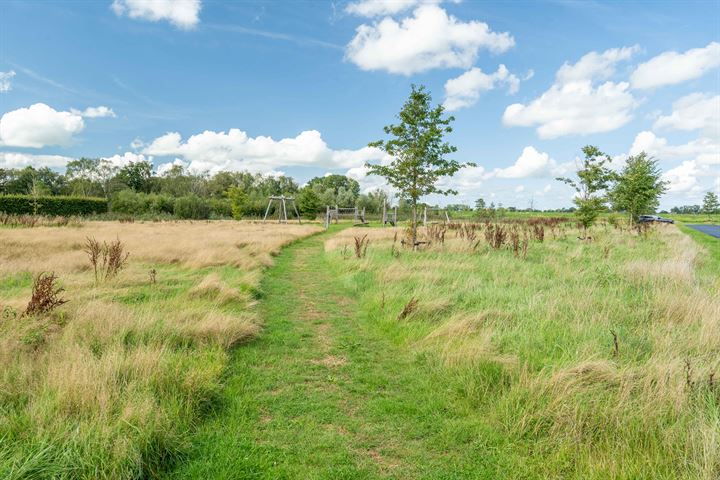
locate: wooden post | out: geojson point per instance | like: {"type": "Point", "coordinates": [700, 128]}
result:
{"type": "Point", "coordinates": [327, 216]}
{"type": "Point", "coordinates": [284, 209]}
{"type": "Point", "coordinates": [296, 211]}
{"type": "Point", "coordinates": [267, 211]}
{"type": "Point", "coordinates": [425, 216]}
{"type": "Point", "coordinates": [384, 218]}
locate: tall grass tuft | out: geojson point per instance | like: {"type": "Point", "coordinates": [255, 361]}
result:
{"type": "Point", "coordinates": [361, 245]}
{"type": "Point", "coordinates": [107, 259]}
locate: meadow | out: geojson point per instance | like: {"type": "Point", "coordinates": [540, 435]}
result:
{"type": "Point", "coordinates": [109, 384]}
{"type": "Point", "coordinates": [587, 359]}
{"type": "Point", "coordinates": [247, 350]}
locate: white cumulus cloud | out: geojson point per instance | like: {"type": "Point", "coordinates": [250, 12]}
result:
{"type": "Point", "coordinates": [39, 125]}
{"type": "Point", "coordinates": [575, 104]}
{"type": "Point", "coordinates": [700, 160]}
{"type": "Point", "coordinates": [377, 8]}
{"type": "Point", "coordinates": [95, 112]}
{"type": "Point", "coordinates": [465, 90]}
{"type": "Point", "coordinates": [235, 150]}
{"type": "Point", "coordinates": [670, 68]}
{"type": "Point", "coordinates": [127, 158]}
{"type": "Point", "coordinates": [530, 163]}
{"type": "Point", "coordinates": [20, 160]}
{"type": "Point", "coordinates": [5, 81]}
{"type": "Point", "coordinates": [697, 111]}
{"type": "Point", "coordinates": [184, 14]}
{"type": "Point", "coordinates": [429, 39]}
{"type": "Point", "coordinates": [595, 65]}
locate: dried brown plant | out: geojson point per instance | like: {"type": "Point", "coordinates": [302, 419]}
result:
{"type": "Point", "coordinates": [107, 259]}
{"type": "Point", "coordinates": [408, 308]}
{"type": "Point", "coordinates": [361, 245]}
{"type": "Point", "coordinates": [45, 295]}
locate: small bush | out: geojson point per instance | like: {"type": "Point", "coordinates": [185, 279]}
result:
{"type": "Point", "coordinates": [135, 203]}
{"type": "Point", "coordinates": [192, 207]}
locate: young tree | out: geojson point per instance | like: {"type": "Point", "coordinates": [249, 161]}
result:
{"type": "Point", "coordinates": [711, 204]}
{"type": "Point", "coordinates": [638, 187]}
{"type": "Point", "coordinates": [418, 150]}
{"type": "Point", "coordinates": [480, 205]}
{"type": "Point", "coordinates": [593, 180]}
{"type": "Point", "coordinates": [238, 201]}
{"type": "Point", "coordinates": [308, 202]}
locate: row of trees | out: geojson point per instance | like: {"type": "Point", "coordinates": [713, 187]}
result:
{"type": "Point", "coordinates": [711, 204]}
{"type": "Point", "coordinates": [635, 190]}
{"type": "Point", "coordinates": [419, 152]}
{"type": "Point", "coordinates": [137, 189]}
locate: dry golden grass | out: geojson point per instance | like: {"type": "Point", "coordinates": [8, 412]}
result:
{"type": "Point", "coordinates": [375, 235]}
{"type": "Point", "coordinates": [191, 244]}
{"type": "Point", "coordinates": [115, 377]}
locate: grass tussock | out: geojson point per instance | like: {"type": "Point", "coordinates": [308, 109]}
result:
{"type": "Point", "coordinates": [595, 359]}
{"type": "Point", "coordinates": [109, 384]}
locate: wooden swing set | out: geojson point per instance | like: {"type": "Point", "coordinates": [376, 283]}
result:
{"type": "Point", "coordinates": [282, 208]}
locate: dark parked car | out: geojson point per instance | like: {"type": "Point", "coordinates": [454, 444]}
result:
{"type": "Point", "coordinates": [654, 218]}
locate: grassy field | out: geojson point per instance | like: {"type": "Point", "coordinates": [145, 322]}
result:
{"type": "Point", "coordinates": [681, 218]}
{"type": "Point", "coordinates": [110, 384]}
{"type": "Point", "coordinates": [529, 343]}
{"type": "Point", "coordinates": [558, 358]}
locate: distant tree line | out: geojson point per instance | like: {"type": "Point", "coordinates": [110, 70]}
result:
{"type": "Point", "coordinates": [711, 204]}
{"type": "Point", "coordinates": [137, 189]}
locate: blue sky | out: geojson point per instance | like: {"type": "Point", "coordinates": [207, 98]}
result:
{"type": "Point", "coordinates": [302, 87]}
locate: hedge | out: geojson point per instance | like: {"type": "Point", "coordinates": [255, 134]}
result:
{"type": "Point", "coordinates": [52, 206]}
{"type": "Point", "coordinates": [191, 207]}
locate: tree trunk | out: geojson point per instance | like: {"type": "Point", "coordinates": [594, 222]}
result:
{"type": "Point", "coordinates": [414, 225]}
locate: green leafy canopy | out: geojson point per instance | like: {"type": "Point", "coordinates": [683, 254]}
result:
{"type": "Point", "coordinates": [418, 148]}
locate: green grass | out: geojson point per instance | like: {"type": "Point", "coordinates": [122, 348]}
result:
{"type": "Point", "coordinates": [695, 218]}
{"type": "Point", "coordinates": [506, 369]}
{"type": "Point", "coordinates": [710, 263]}
{"type": "Point", "coordinates": [323, 394]}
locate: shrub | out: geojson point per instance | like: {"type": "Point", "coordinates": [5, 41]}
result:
{"type": "Point", "coordinates": [52, 206]}
{"type": "Point", "coordinates": [238, 202]}
{"type": "Point", "coordinates": [220, 208]}
{"type": "Point", "coordinates": [134, 203]}
{"type": "Point", "coordinates": [309, 203]}
{"type": "Point", "coordinates": [192, 207]}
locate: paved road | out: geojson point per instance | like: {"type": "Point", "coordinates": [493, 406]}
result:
{"type": "Point", "coordinates": [712, 230]}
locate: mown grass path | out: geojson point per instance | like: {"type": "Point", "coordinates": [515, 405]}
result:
{"type": "Point", "coordinates": [323, 394]}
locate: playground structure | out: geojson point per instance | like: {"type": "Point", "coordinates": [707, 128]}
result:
{"type": "Point", "coordinates": [337, 213]}
{"type": "Point", "coordinates": [439, 214]}
{"type": "Point", "coordinates": [282, 202]}
{"type": "Point", "coordinates": [389, 216]}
